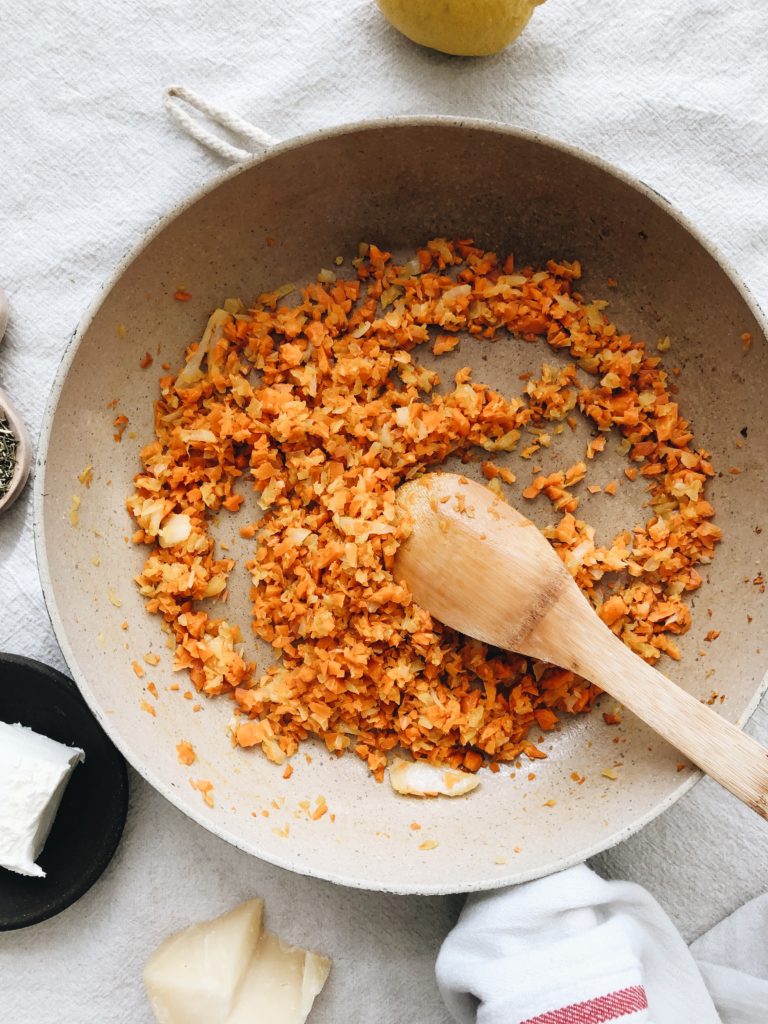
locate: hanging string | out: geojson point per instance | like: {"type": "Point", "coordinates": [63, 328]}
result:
{"type": "Point", "coordinates": [178, 98]}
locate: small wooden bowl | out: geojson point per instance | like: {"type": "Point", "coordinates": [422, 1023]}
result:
{"type": "Point", "coordinates": [9, 413]}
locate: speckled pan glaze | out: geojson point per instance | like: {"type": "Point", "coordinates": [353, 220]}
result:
{"type": "Point", "coordinates": [399, 182]}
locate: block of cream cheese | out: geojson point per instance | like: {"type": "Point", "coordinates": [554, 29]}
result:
{"type": "Point", "coordinates": [229, 971]}
{"type": "Point", "coordinates": [34, 772]}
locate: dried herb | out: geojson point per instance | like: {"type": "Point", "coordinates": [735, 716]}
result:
{"type": "Point", "coordinates": [8, 446]}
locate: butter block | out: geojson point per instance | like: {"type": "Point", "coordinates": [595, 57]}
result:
{"type": "Point", "coordinates": [229, 971]}
{"type": "Point", "coordinates": [34, 772]}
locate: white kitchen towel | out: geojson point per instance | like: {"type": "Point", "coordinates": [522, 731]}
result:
{"type": "Point", "coordinates": [574, 948]}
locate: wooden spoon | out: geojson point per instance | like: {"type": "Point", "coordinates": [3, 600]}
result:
{"type": "Point", "coordinates": [481, 567]}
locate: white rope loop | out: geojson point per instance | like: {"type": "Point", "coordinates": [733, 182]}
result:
{"type": "Point", "coordinates": [176, 95]}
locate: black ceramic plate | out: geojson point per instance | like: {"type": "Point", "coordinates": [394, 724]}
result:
{"type": "Point", "coordinates": [92, 813]}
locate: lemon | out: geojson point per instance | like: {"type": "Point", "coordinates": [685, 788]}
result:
{"type": "Point", "coordinates": [467, 28]}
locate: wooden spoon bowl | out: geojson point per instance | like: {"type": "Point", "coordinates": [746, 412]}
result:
{"type": "Point", "coordinates": [482, 568]}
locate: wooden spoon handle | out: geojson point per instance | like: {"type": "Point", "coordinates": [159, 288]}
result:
{"type": "Point", "coordinates": [719, 748]}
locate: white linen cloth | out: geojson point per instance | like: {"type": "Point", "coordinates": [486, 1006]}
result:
{"type": "Point", "coordinates": [577, 949]}
{"type": "Point", "coordinates": [673, 93]}
{"type": "Point", "coordinates": [733, 960]}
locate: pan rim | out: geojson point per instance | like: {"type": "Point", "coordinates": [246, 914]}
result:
{"type": "Point", "coordinates": [151, 233]}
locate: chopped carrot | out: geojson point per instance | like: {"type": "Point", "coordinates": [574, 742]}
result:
{"type": "Point", "coordinates": [185, 753]}
{"type": "Point", "coordinates": [121, 422]}
{"type": "Point", "coordinates": [445, 343]}
{"type": "Point", "coordinates": [491, 471]}
{"type": "Point", "coordinates": [249, 734]}
{"type": "Point", "coordinates": [596, 445]}
{"type": "Point", "coordinates": [340, 413]}
{"type": "Point", "coordinates": [546, 719]}
{"type": "Point", "coordinates": [205, 787]}
{"type": "Point", "coordinates": [613, 610]}
{"type": "Point", "coordinates": [320, 809]}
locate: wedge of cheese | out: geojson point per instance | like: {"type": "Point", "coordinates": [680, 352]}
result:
{"type": "Point", "coordinates": [229, 971]}
{"type": "Point", "coordinates": [34, 772]}
{"type": "Point", "coordinates": [194, 976]}
{"type": "Point", "coordinates": [280, 985]}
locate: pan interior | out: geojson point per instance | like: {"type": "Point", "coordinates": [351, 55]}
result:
{"type": "Point", "coordinates": [282, 219]}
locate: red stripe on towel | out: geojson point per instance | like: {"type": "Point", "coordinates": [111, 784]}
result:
{"type": "Point", "coordinates": [597, 1011]}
